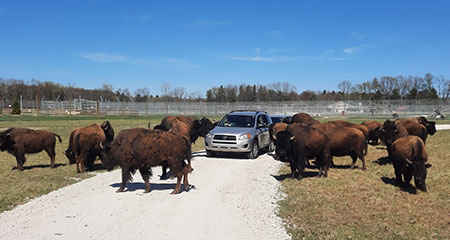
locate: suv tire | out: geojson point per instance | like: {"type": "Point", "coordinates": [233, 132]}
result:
{"type": "Point", "coordinates": [271, 146]}
{"type": "Point", "coordinates": [254, 151]}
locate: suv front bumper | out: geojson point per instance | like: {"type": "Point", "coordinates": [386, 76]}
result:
{"type": "Point", "coordinates": [217, 145]}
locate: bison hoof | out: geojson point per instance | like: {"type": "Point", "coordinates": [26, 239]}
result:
{"type": "Point", "coordinates": [187, 188]}
{"type": "Point", "coordinates": [120, 190]}
{"type": "Point", "coordinates": [147, 191]}
{"type": "Point", "coordinates": [175, 192]}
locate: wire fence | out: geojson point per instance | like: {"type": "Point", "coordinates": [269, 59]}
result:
{"type": "Point", "coordinates": [363, 108]}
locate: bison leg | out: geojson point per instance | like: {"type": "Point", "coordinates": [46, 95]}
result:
{"type": "Point", "coordinates": [293, 170]}
{"type": "Point", "coordinates": [126, 175]}
{"type": "Point", "coordinates": [398, 173]}
{"type": "Point", "coordinates": [363, 161]}
{"type": "Point", "coordinates": [178, 186]}
{"type": "Point", "coordinates": [145, 173]}
{"type": "Point", "coordinates": [408, 176]}
{"type": "Point", "coordinates": [186, 183]}
{"type": "Point", "coordinates": [164, 171]}
{"type": "Point", "coordinates": [51, 153]}
{"type": "Point", "coordinates": [20, 157]}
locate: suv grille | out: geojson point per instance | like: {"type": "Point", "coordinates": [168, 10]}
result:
{"type": "Point", "coordinates": [224, 137]}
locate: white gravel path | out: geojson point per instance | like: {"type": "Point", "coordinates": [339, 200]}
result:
{"type": "Point", "coordinates": [442, 126]}
{"type": "Point", "coordinates": [232, 199]}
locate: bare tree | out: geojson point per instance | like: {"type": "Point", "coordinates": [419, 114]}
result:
{"type": "Point", "coordinates": [178, 92]}
{"type": "Point", "coordinates": [404, 85]}
{"type": "Point", "coordinates": [166, 89]}
{"type": "Point", "coordinates": [387, 85]}
{"type": "Point", "coordinates": [345, 87]}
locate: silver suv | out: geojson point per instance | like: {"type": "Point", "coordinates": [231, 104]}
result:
{"type": "Point", "coordinates": [240, 131]}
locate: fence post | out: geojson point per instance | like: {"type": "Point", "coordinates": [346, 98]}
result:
{"type": "Point", "coordinates": [98, 109]}
{"type": "Point", "coordinates": [37, 107]}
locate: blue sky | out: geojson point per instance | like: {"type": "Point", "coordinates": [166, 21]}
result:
{"type": "Point", "coordinates": [313, 45]}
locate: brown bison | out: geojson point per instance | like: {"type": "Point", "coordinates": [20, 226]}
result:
{"type": "Point", "coordinates": [429, 125]}
{"type": "Point", "coordinates": [415, 129]}
{"type": "Point", "coordinates": [304, 119]}
{"type": "Point", "coordinates": [409, 157]}
{"type": "Point", "coordinates": [19, 141]}
{"type": "Point", "coordinates": [274, 128]}
{"type": "Point", "coordinates": [298, 143]}
{"type": "Point", "coordinates": [374, 131]}
{"type": "Point", "coordinates": [142, 149]}
{"type": "Point", "coordinates": [360, 127]}
{"type": "Point", "coordinates": [188, 126]}
{"type": "Point", "coordinates": [392, 130]}
{"type": "Point", "coordinates": [344, 141]}
{"type": "Point", "coordinates": [84, 144]}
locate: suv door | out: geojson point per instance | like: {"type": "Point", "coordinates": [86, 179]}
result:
{"type": "Point", "coordinates": [263, 132]}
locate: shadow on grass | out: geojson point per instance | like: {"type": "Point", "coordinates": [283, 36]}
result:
{"type": "Point", "coordinates": [343, 166]}
{"type": "Point", "coordinates": [406, 188]}
{"type": "Point", "coordinates": [95, 167]}
{"type": "Point", "coordinates": [131, 187]}
{"type": "Point", "coordinates": [41, 166]}
{"type": "Point", "coordinates": [306, 174]}
{"type": "Point", "coordinates": [383, 161]}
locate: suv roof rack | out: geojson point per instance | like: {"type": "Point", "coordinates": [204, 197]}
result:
{"type": "Point", "coordinates": [248, 111]}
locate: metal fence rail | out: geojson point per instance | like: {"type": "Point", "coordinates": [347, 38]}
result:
{"type": "Point", "coordinates": [381, 108]}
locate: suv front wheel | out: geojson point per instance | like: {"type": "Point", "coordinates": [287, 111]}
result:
{"type": "Point", "coordinates": [254, 151]}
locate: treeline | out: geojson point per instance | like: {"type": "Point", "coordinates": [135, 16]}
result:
{"type": "Point", "coordinates": [13, 89]}
{"type": "Point", "coordinates": [385, 87]}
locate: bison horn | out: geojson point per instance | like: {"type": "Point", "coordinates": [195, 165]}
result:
{"type": "Point", "coordinates": [292, 138]}
{"type": "Point", "coordinates": [274, 137]}
{"type": "Point", "coordinates": [102, 147]}
{"type": "Point", "coordinates": [408, 161]}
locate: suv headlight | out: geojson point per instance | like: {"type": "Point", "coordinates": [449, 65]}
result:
{"type": "Point", "coordinates": [209, 135]}
{"type": "Point", "coordinates": [245, 136]}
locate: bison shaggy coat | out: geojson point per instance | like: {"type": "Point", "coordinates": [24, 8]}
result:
{"type": "Point", "coordinates": [429, 125]}
{"type": "Point", "coordinates": [19, 141]}
{"type": "Point", "coordinates": [298, 143]}
{"type": "Point", "coordinates": [360, 127]}
{"type": "Point", "coordinates": [345, 141]}
{"type": "Point", "coordinates": [374, 131]}
{"type": "Point", "coordinates": [409, 157]}
{"type": "Point", "coordinates": [141, 149]}
{"type": "Point", "coordinates": [84, 144]}
{"type": "Point", "coordinates": [304, 119]}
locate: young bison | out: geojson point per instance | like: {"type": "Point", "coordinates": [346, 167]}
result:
{"type": "Point", "coordinates": [142, 149]}
{"type": "Point", "coordinates": [409, 158]}
{"type": "Point", "coordinates": [19, 141]}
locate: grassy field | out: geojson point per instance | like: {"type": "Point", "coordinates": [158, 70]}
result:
{"type": "Point", "coordinates": [348, 204]}
{"type": "Point", "coordinates": [37, 178]}
{"type": "Point", "coordinates": [356, 204]}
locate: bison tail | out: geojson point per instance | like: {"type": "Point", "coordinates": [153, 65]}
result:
{"type": "Point", "coordinates": [59, 138]}
{"type": "Point", "coordinates": [366, 143]}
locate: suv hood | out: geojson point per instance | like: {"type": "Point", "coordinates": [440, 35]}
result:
{"type": "Point", "coordinates": [231, 130]}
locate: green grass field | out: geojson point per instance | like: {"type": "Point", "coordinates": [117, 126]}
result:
{"type": "Point", "coordinates": [348, 204]}
{"type": "Point", "coordinates": [356, 204]}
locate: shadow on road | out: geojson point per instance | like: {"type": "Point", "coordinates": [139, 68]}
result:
{"type": "Point", "coordinates": [131, 187]}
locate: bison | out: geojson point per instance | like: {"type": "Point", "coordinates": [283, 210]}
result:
{"type": "Point", "coordinates": [374, 131]}
{"type": "Point", "coordinates": [392, 130]}
{"type": "Point", "coordinates": [304, 119]}
{"type": "Point", "coordinates": [360, 127]}
{"type": "Point", "coordinates": [298, 143]}
{"type": "Point", "coordinates": [345, 141]}
{"type": "Point", "coordinates": [429, 125]}
{"type": "Point", "coordinates": [84, 144]}
{"type": "Point", "coordinates": [19, 141]}
{"type": "Point", "coordinates": [142, 149]}
{"type": "Point", "coordinates": [409, 157]}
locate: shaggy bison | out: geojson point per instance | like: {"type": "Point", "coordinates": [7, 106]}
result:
{"type": "Point", "coordinates": [360, 127]}
{"type": "Point", "coordinates": [140, 148]}
{"type": "Point", "coordinates": [374, 131]}
{"type": "Point", "coordinates": [298, 143]}
{"type": "Point", "coordinates": [19, 141]}
{"type": "Point", "coordinates": [392, 130]}
{"type": "Point", "coordinates": [304, 119]}
{"type": "Point", "coordinates": [429, 125]}
{"type": "Point", "coordinates": [344, 141]}
{"type": "Point", "coordinates": [84, 144]}
{"type": "Point", "coordinates": [409, 157]}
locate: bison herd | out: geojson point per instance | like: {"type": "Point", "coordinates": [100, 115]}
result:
{"type": "Point", "coordinates": [305, 138]}
{"type": "Point", "coordinates": [169, 144]}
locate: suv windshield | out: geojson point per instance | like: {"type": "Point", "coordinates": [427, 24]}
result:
{"type": "Point", "coordinates": [237, 121]}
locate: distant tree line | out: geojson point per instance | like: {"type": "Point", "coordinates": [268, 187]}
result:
{"type": "Point", "coordinates": [383, 88]}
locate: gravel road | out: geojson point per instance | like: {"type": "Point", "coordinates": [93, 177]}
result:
{"type": "Point", "coordinates": [231, 199]}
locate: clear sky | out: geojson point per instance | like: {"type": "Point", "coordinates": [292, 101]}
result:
{"type": "Point", "coordinates": [313, 45]}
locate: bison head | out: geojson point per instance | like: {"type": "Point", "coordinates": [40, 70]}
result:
{"type": "Point", "coordinates": [6, 140]}
{"type": "Point", "coordinates": [284, 145]}
{"type": "Point", "coordinates": [419, 170]}
{"type": "Point", "coordinates": [109, 131]}
{"type": "Point", "coordinates": [71, 156]}
{"type": "Point", "coordinates": [431, 127]}
{"type": "Point", "coordinates": [107, 155]}
{"type": "Point", "coordinates": [390, 132]}
{"type": "Point", "coordinates": [205, 126]}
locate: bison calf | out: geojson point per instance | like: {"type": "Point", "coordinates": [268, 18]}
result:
{"type": "Point", "coordinates": [409, 158]}
{"type": "Point", "coordinates": [19, 141]}
{"type": "Point", "coordinates": [143, 149]}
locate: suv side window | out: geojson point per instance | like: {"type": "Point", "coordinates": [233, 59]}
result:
{"type": "Point", "coordinates": [263, 119]}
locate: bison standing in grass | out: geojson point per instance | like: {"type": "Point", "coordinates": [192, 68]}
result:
{"type": "Point", "coordinates": [298, 143]}
{"type": "Point", "coordinates": [374, 131]}
{"type": "Point", "coordinates": [141, 149]}
{"type": "Point", "coordinates": [19, 141]}
{"type": "Point", "coordinates": [409, 157]}
{"type": "Point", "coordinates": [84, 144]}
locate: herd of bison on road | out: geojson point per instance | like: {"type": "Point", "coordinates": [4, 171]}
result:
{"type": "Point", "coordinates": [169, 145]}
